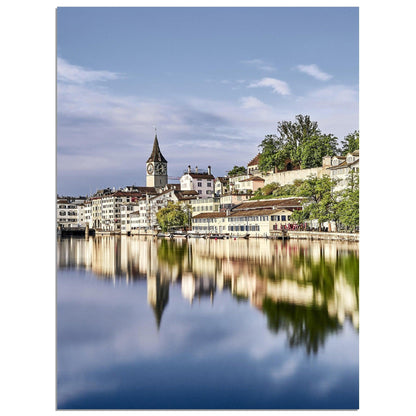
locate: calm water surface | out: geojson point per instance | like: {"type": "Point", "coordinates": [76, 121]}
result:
{"type": "Point", "coordinates": [206, 324]}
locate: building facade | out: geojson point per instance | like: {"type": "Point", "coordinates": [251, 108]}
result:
{"type": "Point", "coordinates": [201, 182]}
{"type": "Point", "coordinates": [66, 213]}
{"type": "Point", "coordinates": [257, 218]}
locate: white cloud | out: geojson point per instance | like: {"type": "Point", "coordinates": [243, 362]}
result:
{"type": "Point", "coordinates": [260, 64]}
{"type": "Point", "coordinates": [278, 86]}
{"type": "Point", "coordinates": [251, 102]}
{"type": "Point", "coordinates": [79, 75]}
{"type": "Point", "coordinates": [314, 71]}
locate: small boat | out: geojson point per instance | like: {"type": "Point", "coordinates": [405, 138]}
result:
{"type": "Point", "coordinates": [179, 235]}
{"type": "Point", "coordinates": [240, 236]}
{"type": "Point", "coordinates": [216, 236]}
{"type": "Point", "coordinates": [164, 235]}
{"type": "Point", "coordinates": [194, 235]}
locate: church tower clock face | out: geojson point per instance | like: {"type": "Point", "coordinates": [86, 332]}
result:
{"type": "Point", "coordinates": [160, 168]}
{"type": "Point", "coordinates": [150, 168]}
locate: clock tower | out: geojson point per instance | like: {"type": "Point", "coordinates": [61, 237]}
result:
{"type": "Point", "coordinates": [156, 168]}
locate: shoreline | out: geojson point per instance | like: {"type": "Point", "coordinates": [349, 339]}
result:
{"type": "Point", "coordinates": [289, 235]}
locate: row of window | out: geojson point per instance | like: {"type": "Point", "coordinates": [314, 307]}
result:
{"type": "Point", "coordinates": [230, 228]}
{"type": "Point", "coordinates": [277, 218]}
{"type": "Point", "coordinates": [63, 213]}
{"type": "Point", "coordinates": [245, 219]}
{"type": "Point", "coordinates": [216, 208]}
{"type": "Point", "coordinates": [67, 206]}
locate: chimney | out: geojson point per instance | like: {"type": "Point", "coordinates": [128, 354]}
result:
{"type": "Point", "coordinates": [196, 169]}
{"type": "Point", "coordinates": [189, 168]}
{"type": "Point", "coordinates": [209, 170]}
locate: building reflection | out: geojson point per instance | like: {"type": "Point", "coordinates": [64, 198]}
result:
{"type": "Point", "coordinates": [305, 289]}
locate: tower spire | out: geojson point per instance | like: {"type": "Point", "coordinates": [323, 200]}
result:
{"type": "Point", "coordinates": [156, 155]}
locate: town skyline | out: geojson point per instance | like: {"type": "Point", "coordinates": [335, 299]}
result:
{"type": "Point", "coordinates": [212, 88]}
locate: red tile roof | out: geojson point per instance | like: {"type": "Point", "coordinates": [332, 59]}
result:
{"type": "Point", "coordinates": [269, 203]}
{"type": "Point", "coordinates": [254, 161]}
{"type": "Point", "coordinates": [211, 215]}
{"type": "Point", "coordinates": [257, 212]}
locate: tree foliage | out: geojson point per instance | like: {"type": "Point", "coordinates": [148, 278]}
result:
{"type": "Point", "coordinates": [301, 142]}
{"type": "Point", "coordinates": [237, 170]}
{"type": "Point", "coordinates": [324, 204]}
{"type": "Point", "coordinates": [273, 154]}
{"type": "Point", "coordinates": [349, 204]}
{"type": "Point", "coordinates": [173, 216]}
{"type": "Point", "coordinates": [350, 143]}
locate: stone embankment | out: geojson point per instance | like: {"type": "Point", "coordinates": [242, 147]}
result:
{"type": "Point", "coordinates": [316, 235]}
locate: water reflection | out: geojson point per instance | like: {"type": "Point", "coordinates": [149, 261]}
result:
{"type": "Point", "coordinates": [305, 289]}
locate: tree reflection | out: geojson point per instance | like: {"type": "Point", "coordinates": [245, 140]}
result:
{"type": "Point", "coordinates": [306, 326]}
{"type": "Point", "coordinates": [172, 252]}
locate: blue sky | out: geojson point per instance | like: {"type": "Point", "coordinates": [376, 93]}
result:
{"type": "Point", "coordinates": [214, 81]}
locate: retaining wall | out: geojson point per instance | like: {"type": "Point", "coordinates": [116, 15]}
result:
{"type": "Point", "coordinates": [315, 235]}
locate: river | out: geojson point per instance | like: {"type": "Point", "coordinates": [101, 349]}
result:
{"type": "Point", "coordinates": [147, 323]}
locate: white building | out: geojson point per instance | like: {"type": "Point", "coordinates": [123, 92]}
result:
{"type": "Point", "coordinates": [201, 182]}
{"type": "Point", "coordinates": [125, 211]}
{"type": "Point", "coordinates": [340, 167]}
{"type": "Point", "coordinates": [81, 215]}
{"type": "Point", "coordinates": [66, 213]}
{"type": "Point", "coordinates": [205, 205]}
{"type": "Point", "coordinates": [221, 185]}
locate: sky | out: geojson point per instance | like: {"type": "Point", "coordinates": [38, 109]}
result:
{"type": "Point", "coordinates": [212, 81]}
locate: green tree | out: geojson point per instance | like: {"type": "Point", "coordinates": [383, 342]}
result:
{"type": "Point", "coordinates": [315, 147]}
{"type": "Point", "coordinates": [237, 170]}
{"type": "Point", "coordinates": [301, 142]}
{"type": "Point", "coordinates": [350, 143]}
{"type": "Point", "coordinates": [321, 199]}
{"type": "Point", "coordinates": [173, 216]}
{"type": "Point", "coordinates": [295, 134]}
{"type": "Point", "coordinates": [269, 188]}
{"type": "Point", "coordinates": [273, 154]}
{"type": "Point", "coordinates": [349, 205]}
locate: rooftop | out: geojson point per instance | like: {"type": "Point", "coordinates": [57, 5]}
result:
{"type": "Point", "coordinates": [254, 161]}
{"type": "Point", "coordinates": [203, 175]}
{"type": "Point", "coordinates": [254, 212]}
{"type": "Point", "coordinates": [270, 204]}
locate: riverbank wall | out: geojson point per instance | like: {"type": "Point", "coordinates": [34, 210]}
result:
{"type": "Point", "coordinates": [316, 235]}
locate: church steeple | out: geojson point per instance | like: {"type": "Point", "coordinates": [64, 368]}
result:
{"type": "Point", "coordinates": [156, 155]}
{"type": "Point", "coordinates": [156, 167]}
